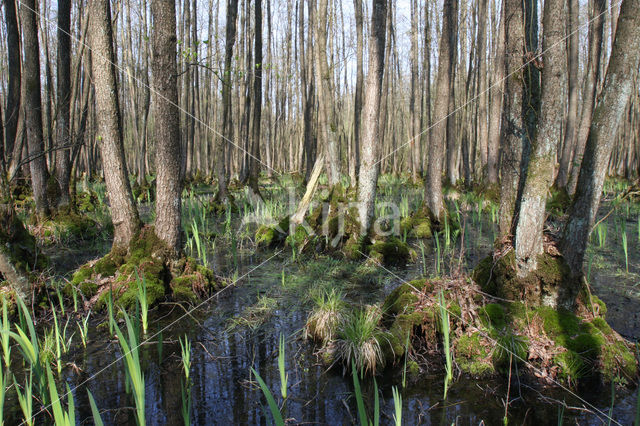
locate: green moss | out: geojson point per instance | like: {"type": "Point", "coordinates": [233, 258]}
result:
{"type": "Point", "coordinates": [401, 300]}
{"type": "Point", "coordinates": [395, 339]}
{"type": "Point", "coordinates": [493, 315]}
{"type": "Point", "coordinates": [550, 284]}
{"type": "Point", "coordinates": [392, 251]}
{"type": "Point", "coordinates": [618, 360]}
{"type": "Point", "coordinates": [572, 366]}
{"type": "Point", "coordinates": [472, 356]}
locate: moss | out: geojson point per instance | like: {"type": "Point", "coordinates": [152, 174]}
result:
{"type": "Point", "coordinates": [572, 366]}
{"type": "Point", "coordinates": [353, 248]}
{"type": "Point", "coordinates": [401, 300]}
{"type": "Point", "coordinates": [392, 251]}
{"type": "Point", "coordinates": [493, 315]}
{"type": "Point", "coordinates": [393, 344]}
{"type": "Point", "coordinates": [68, 226]}
{"type": "Point", "coordinates": [550, 284]}
{"type": "Point", "coordinates": [472, 356]}
{"type": "Point", "coordinates": [413, 370]}
{"type": "Point", "coordinates": [618, 360]}
{"type": "Point", "coordinates": [88, 289]}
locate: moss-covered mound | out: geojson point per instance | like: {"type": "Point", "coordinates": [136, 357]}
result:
{"type": "Point", "coordinates": [65, 227]}
{"type": "Point", "coordinates": [489, 335]}
{"type": "Point", "coordinates": [147, 262]}
{"type": "Point", "coordinates": [16, 242]}
{"type": "Point", "coordinates": [86, 201]}
{"type": "Point", "coordinates": [550, 284]}
{"type": "Point", "coordinates": [422, 223]}
{"type": "Point", "coordinates": [334, 226]}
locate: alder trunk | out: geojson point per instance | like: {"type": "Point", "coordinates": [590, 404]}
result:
{"type": "Point", "coordinates": [368, 178]}
{"type": "Point", "coordinates": [124, 214]}
{"type": "Point", "coordinates": [611, 105]}
{"type": "Point", "coordinates": [167, 124]}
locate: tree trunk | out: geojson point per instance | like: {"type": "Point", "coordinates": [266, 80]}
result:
{"type": "Point", "coordinates": [109, 126]}
{"type": "Point", "coordinates": [611, 105]}
{"type": "Point", "coordinates": [12, 110]}
{"type": "Point", "coordinates": [33, 107]}
{"type": "Point", "coordinates": [540, 171]}
{"type": "Point", "coordinates": [167, 124]}
{"type": "Point", "coordinates": [433, 184]}
{"type": "Point", "coordinates": [596, 32]}
{"type": "Point", "coordinates": [357, 102]}
{"type": "Point", "coordinates": [368, 178]}
{"type": "Point", "coordinates": [513, 131]}
{"type": "Point", "coordinates": [572, 109]}
{"type": "Point", "coordinates": [227, 128]}
{"type": "Point", "coordinates": [496, 108]}
{"type": "Point", "coordinates": [414, 98]}
{"type": "Point", "coordinates": [254, 166]}
{"type": "Point", "coordinates": [63, 80]}
{"type": "Point", "coordinates": [327, 118]}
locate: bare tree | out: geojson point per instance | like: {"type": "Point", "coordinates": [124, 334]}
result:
{"type": "Point", "coordinates": [109, 126]}
{"type": "Point", "coordinates": [371, 132]}
{"type": "Point", "coordinates": [167, 124]}
{"type": "Point", "coordinates": [12, 109]}
{"type": "Point", "coordinates": [540, 171]}
{"type": "Point", "coordinates": [616, 92]}
{"type": "Point", "coordinates": [33, 107]}
{"type": "Point", "coordinates": [327, 118]}
{"type": "Point", "coordinates": [513, 129]}
{"type": "Point", "coordinates": [63, 81]}
{"type": "Point", "coordinates": [433, 184]}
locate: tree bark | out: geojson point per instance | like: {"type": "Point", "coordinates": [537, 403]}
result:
{"type": "Point", "coordinates": [513, 131]}
{"type": "Point", "coordinates": [33, 107]}
{"type": "Point", "coordinates": [610, 108]}
{"type": "Point", "coordinates": [167, 124]}
{"type": "Point", "coordinates": [540, 171]}
{"type": "Point", "coordinates": [327, 118]}
{"type": "Point", "coordinates": [109, 126]}
{"type": "Point", "coordinates": [433, 183]}
{"type": "Point", "coordinates": [357, 102]}
{"type": "Point", "coordinates": [368, 178]}
{"type": "Point", "coordinates": [254, 165]}
{"type": "Point", "coordinates": [572, 108]}
{"type": "Point", "coordinates": [227, 127]}
{"type": "Point", "coordinates": [596, 33]}
{"type": "Point", "coordinates": [496, 108]}
{"type": "Point", "coordinates": [12, 110]}
{"type": "Point", "coordinates": [414, 100]}
{"type": "Point", "coordinates": [63, 81]}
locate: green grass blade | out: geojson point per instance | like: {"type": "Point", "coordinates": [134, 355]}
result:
{"type": "Point", "coordinates": [362, 414]}
{"type": "Point", "coordinates": [97, 419]}
{"type": "Point", "coordinates": [273, 407]}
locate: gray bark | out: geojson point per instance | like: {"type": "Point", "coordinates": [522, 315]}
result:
{"type": "Point", "coordinates": [610, 108]}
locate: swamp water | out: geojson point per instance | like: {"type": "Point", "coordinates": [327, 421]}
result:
{"type": "Point", "coordinates": [241, 327]}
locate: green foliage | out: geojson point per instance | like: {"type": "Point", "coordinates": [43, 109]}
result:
{"type": "Point", "coordinates": [97, 419]}
{"type": "Point", "coordinates": [281, 367]}
{"type": "Point", "coordinates": [357, 341]}
{"type": "Point", "coordinates": [273, 407]}
{"type": "Point", "coordinates": [444, 324]}
{"type": "Point", "coordinates": [322, 324]}
{"type": "Point", "coordinates": [130, 352]}
{"type": "Point", "coordinates": [61, 417]}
